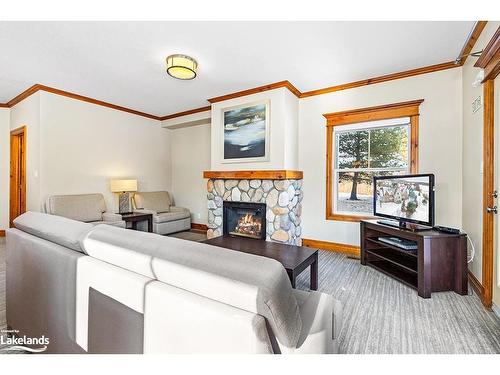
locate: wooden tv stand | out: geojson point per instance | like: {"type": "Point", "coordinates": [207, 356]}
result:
{"type": "Point", "coordinates": [439, 264]}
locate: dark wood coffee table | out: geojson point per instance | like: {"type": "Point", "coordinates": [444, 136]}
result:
{"type": "Point", "coordinates": [295, 259]}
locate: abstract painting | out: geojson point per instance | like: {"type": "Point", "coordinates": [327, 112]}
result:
{"type": "Point", "coordinates": [246, 133]}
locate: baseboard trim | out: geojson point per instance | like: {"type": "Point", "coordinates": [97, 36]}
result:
{"type": "Point", "coordinates": [2, 233]}
{"type": "Point", "coordinates": [199, 226]}
{"type": "Point", "coordinates": [476, 285]}
{"type": "Point", "coordinates": [332, 246]}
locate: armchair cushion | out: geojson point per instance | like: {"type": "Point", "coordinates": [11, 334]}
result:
{"type": "Point", "coordinates": [176, 213]}
{"type": "Point", "coordinates": [82, 207]}
{"type": "Point", "coordinates": [158, 201]}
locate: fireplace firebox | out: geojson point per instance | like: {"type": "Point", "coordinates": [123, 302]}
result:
{"type": "Point", "coordinates": [244, 219]}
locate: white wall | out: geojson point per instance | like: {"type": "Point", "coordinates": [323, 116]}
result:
{"type": "Point", "coordinates": [75, 147]}
{"type": "Point", "coordinates": [4, 167]}
{"type": "Point", "coordinates": [190, 157]}
{"type": "Point", "coordinates": [440, 150]}
{"type": "Point", "coordinates": [291, 123]}
{"type": "Point", "coordinates": [472, 197]}
{"type": "Point", "coordinates": [283, 131]}
{"type": "Point", "coordinates": [83, 146]}
{"type": "Point", "coordinates": [27, 113]}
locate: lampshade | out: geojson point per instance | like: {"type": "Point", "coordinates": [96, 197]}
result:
{"type": "Point", "coordinates": [118, 186]}
{"type": "Point", "coordinates": [181, 66]}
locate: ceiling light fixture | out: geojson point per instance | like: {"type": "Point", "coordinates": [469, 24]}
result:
{"type": "Point", "coordinates": [181, 67]}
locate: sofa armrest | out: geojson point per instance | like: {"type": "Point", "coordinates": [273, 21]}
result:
{"type": "Point", "coordinates": [321, 317]}
{"type": "Point", "coordinates": [110, 216]}
{"type": "Point", "coordinates": [144, 211]}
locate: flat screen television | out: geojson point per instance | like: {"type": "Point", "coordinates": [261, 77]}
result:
{"type": "Point", "coordinates": [405, 198]}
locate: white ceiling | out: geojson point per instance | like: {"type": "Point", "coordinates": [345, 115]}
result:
{"type": "Point", "coordinates": [123, 62]}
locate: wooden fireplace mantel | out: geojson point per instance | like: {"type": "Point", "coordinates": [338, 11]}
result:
{"type": "Point", "coordinates": [283, 174]}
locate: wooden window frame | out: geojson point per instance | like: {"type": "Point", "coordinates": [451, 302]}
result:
{"type": "Point", "coordinates": [384, 112]}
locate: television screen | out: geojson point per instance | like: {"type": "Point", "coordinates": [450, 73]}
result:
{"type": "Point", "coordinates": [405, 198]}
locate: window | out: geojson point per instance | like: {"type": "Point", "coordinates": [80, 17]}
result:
{"type": "Point", "coordinates": [364, 143]}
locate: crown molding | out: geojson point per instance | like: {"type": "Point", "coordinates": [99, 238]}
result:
{"type": "Point", "coordinates": [185, 113]}
{"type": "Point", "coordinates": [380, 79]}
{"type": "Point", "coordinates": [469, 44]}
{"type": "Point", "coordinates": [370, 81]}
{"type": "Point", "coordinates": [471, 41]}
{"type": "Point", "coordinates": [35, 88]}
{"type": "Point", "coordinates": [256, 90]}
{"type": "Point", "coordinates": [25, 94]}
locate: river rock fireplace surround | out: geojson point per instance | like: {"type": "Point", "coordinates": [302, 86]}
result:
{"type": "Point", "coordinates": [278, 192]}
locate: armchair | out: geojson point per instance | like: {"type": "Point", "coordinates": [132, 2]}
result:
{"type": "Point", "coordinates": [89, 208]}
{"type": "Point", "coordinates": [166, 218]}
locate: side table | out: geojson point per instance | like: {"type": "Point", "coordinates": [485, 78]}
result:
{"type": "Point", "coordinates": [134, 218]}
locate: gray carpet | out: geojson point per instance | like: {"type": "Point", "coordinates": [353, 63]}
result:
{"type": "Point", "coordinates": [382, 315]}
{"type": "Point", "coordinates": [190, 235]}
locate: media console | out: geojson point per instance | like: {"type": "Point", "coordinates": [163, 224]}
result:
{"type": "Point", "coordinates": [439, 263]}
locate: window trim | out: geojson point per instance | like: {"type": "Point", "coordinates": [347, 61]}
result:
{"type": "Point", "coordinates": [389, 111]}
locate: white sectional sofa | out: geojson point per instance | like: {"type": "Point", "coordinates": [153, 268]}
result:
{"type": "Point", "coordinates": [104, 289]}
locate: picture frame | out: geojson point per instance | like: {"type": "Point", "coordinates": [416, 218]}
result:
{"type": "Point", "coordinates": [246, 132]}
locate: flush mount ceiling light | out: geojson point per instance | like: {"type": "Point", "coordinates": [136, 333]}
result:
{"type": "Point", "coordinates": [181, 66]}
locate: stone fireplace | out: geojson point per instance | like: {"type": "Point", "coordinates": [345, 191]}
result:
{"type": "Point", "coordinates": [279, 193]}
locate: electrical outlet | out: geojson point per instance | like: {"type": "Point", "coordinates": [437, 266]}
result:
{"type": "Point", "coordinates": [198, 215]}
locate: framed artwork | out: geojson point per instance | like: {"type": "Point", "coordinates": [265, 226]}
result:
{"type": "Point", "coordinates": [246, 133]}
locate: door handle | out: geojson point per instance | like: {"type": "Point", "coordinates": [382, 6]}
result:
{"type": "Point", "coordinates": [492, 210]}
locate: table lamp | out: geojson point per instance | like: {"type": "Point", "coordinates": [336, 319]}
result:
{"type": "Point", "coordinates": [123, 187]}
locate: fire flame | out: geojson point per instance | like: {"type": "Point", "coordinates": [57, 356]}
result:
{"type": "Point", "coordinates": [249, 225]}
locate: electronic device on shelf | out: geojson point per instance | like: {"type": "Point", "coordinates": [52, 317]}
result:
{"type": "Point", "coordinates": [400, 243]}
{"type": "Point", "coordinates": [449, 230]}
{"type": "Point", "coordinates": [406, 199]}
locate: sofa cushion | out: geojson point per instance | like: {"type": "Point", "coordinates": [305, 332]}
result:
{"type": "Point", "coordinates": [57, 229]}
{"type": "Point", "coordinates": [82, 207]}
{"type": "Point", "coordinates": [158, 201]}
{"type": "Point", "coordinates": [256, 284]}
{"type": "Point", "coordinates": [171, 216]}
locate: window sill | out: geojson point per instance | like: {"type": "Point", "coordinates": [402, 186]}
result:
{"type": "Point", "coordinates": [351, 218]}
